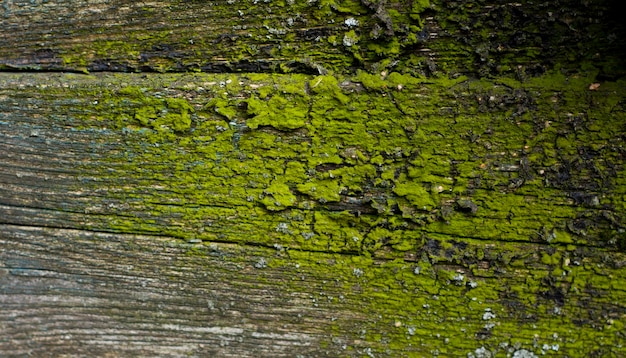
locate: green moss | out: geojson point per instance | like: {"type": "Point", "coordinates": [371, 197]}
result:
{"type": "Point", "coordinates": [328, 85]}
{"type": "Point", "coordinates": [223, 107]}
{"type": "Point", "coordinates": [415, 194]}
{"type": "Point", "coordinates": [418, 7]}
{"type": "Point", "coordinates": [145, 115]}
{"type": "Point", "coordinates": [323, 190]}
{"type": "Point", "coordinates": [278, 112]}
{"type": "Point", "coordinates": [548, 259]}
{"type": "Point", "coordinates": [423, 205]}
{"type": "Point", "coordinates": [278, 197]}
{"type": "Point", "coordinates": [371, 81]}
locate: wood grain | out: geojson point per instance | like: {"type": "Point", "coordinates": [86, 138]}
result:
{"type": "Point", "coordinates": [113, 244]}
{"type": "Point", "coordinates": [476, 37]}
{"type": "Point", "coordinates": [312, 179]}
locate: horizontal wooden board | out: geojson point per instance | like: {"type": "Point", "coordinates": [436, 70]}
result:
{"type": "Point", "coordinates": [274, 215]}
{"type": "Point", "coordinates": [421, 37]}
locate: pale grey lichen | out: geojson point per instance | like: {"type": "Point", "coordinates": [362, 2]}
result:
{"type": "Point", "coordinates": [523, 353]}
{"type": "Point", "coordinates": [488, 314]}
{"type": "Point", "coordinates": [481, 352]}
{"type": "Point", "coordinates": [262, 263]}
{"type": "Point", "coordinates": [351, 22]}
{"type": "Point", "coordinates": [283, 228]}
{"type": "Point", "coordinates": [350, 39]}
{"type": "Point", "coordinates": [555, 347]}
{"type": "Point", "coordinates": [458, 278]}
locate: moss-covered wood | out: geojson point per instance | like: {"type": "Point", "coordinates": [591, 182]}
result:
{"type": "Point", "coordinates": [361, 178]}
{"type": "Point", "coordinates": [419, 36]}
{"type": "Point", "coordinates": [419, 215]}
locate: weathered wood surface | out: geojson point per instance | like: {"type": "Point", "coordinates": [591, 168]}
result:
{"type": "Point", "coordinates": [411, 213]}
{"type": "Point", "coordinates": [424, 222]}
{"type": "Point", "coordinates": [486, 37]}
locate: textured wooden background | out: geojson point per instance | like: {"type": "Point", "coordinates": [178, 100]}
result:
{"type": "Point", "coordinates": [253, 178]}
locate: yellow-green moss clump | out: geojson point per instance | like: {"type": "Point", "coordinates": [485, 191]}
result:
{"type": "Point", "coordinates": [443, 208]}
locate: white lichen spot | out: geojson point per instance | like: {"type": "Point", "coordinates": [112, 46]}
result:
{"type": "Point", "coordinates": [548, 347]}
{"type": "Point", "coordinates": [282, 228]}
{"type": "Point", "coordinates": [411, 330]}
{"type": "Point", "coordinates": [472, 284]}
{"type": "Point", "coordinates": [458, 277]}
{"type": "Point", "coordinates": [481, 352]}
{"type": "Point", "coordinates": [349, 41]}
{"type": "Point", "coordinates": [274, 31]}
{"type": "Point", "coordinates": [555, 347]}
{"type": "Point", "coordinates": [357, 272]}
{"type": "Point", "coordinates": [351, 22]}
{"type": "Point", "coordinates": [417, 270]}
{"type": "Point", "coordinates": [523, 353]}
{"type": "Point", "coordinates": [262, 263]}
{"type": "Point", "coordinates": [488, 314]}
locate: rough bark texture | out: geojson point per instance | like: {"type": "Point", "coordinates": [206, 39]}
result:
{"type": "Point", "coordinates": [367, 179]}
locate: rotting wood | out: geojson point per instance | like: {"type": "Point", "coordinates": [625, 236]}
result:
{"type": "Point", "coordinates": [457, 192]}
{"type": "Point", "coordinates": [420, 37]}
{"type": "Point", "coordinates": [403, 234]}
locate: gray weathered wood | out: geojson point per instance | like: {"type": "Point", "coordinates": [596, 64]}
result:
{"type": "Point", "coordinates": [455, 188]}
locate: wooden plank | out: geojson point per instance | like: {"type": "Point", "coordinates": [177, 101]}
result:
{"type": "Point", "coordinates": [80, 293]}
{"type": "Point", "coordinates": [421, 37]}
{"type": "Point", "coordinates": [429, 179]}
{"type": "Point", "coordinates": [271, 215]}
